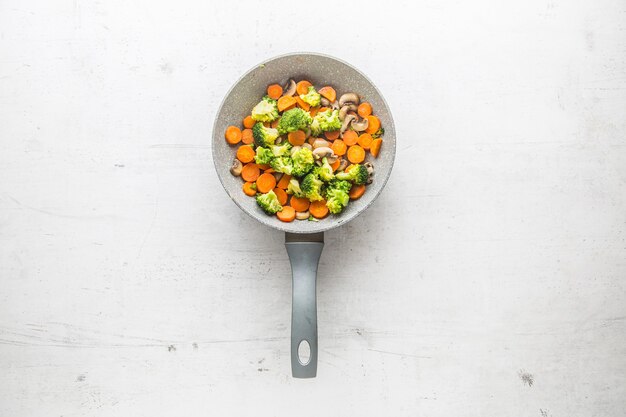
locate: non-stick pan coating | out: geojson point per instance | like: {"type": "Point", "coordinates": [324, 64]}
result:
{"type": "Point", "coordinates": [320, 70]}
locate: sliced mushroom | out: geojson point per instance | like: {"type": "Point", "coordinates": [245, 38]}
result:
{"type": "Point", "coordinates": [332, 159]}
{"type": "Point", "coordinates": [342, 165]}
{"type": "Point", "coordinates": [348, 98]}
{"type": "Point", "coordinates": [370, 167]}
{"type": "Point", "coordinates": [302, 215]}
{"type": "Point", "coordinates": [345, 109]}
{"type": "Point", "coordinates": [278, 176]}
{"type": "Point", "coordinates": [307, 145]}
{"type": "Point", "coordinates": [324, 102]}
{"type": "Point", "coordinates": [334, 105]}
{"type": "Point", "coordinates": [346, 122]}
{"type": "Point", "coordinates": [295, 149]}
{"type": "Point", "coordinates": [360, 125]}
{"type": "Point", "coordinates": [278, 140]}
{"type": "Point", "coordinates": [322, 152]}
{"type": "Point", "coordinates": [369, 180]}
{"type": "Point", "coordinates": [290, 88]}
{"type": "Point", "coordinates": [320, 143]}
{"type": "Point", "coordinates": [236, 168]}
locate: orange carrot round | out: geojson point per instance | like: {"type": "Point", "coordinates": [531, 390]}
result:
{"type": "Point", "coordinates": [318, 209]}
{"type": "Point", "coordinates": [302, 104]}
{"type": "Point", "coordinates": [303, 87]}
{"type": "Point", "coordinates": [233, 135]}
{"type": "Point", "coordinates": [375, 147]}
{"type": "Point", "coordinates": [300, 203]}
{"type": "Point", "coordinates": [356, 191]}
{"type": "Point", "coordinates": [263, 167]}
{"type": "Point", "coordinates": [246, 136]}
{"type": "Point", "coordinates": [286, 103]}
{"type": "Point", "coordinates": [284, 181]}
{"type": "Point", "coordinates": [329, 93]}
{"type": "Point", "coordinates": [250, 172]}
{"type": "Point", "coordinates": [373, 124]}
{"type": "Point", "coordinates": [274, 123]}
{"type": "Point", "coordinates": [265, 183]}
{"type": "Point", "coordinates": [248, 122]}
{"type": "Point", "coordinates": [365, 140]}
{"type": "Point", "coordinates": [336, 164]}
{"type": "Point", "coordinates": [322, 109]}
{"type": "Point", "coordinates": [314, 111]}
{"type": "Point", "coordinates": [282, 196]}
{"type": "Point", "coordinates": [338, 147]}
{"type": "Point", "coordinates": [296, 138]}
{"type": "Point", "coordinates": [287, 214]}
{"type": "Point", "coordinates": [364, 109]}
{"type": "Point", "coordinates": [245, 153]}
{"type": "Point", "coordinates": [332, 135]}
{"type": "Point", "coordinates": [248, 189]}
{"type": "Point", "coordinates": [350, 137]}
{"type": "Point", "coordinates": [356, 154]}
{"type": "Point", "coordinates": [274, 91]}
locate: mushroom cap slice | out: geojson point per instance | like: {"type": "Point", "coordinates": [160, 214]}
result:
{"type": "Point", "coordinates": [360, 125]}
{"type": "Point", "coordinates": [348, 98]}
{"type": "Point", "coordinates": [236, 168]}
{"type": "Point", "coordinates": [290, 88]}
{"type": "Point", "coordinates": [345, 109]}
{"type": "Point", "coordinates": [322, 152]}
{"type": "Point", "coordinates": [347, 121]}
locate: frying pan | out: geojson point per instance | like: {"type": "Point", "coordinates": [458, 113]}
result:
{"type": "Point", "coordinates": [304, 240]}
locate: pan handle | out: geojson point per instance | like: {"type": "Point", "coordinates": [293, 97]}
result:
{"type": "Point", "coordinates": [304, 252]}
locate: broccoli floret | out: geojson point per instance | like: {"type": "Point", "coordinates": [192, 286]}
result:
{"type": "Point", "coordinates": [282, 164]}
{"type": "Point", "coordinates": [357, 174]}
{"type": "Point", "coordinates": [294, 119]}
{"type": "Point", "coordinates": [312, 97]}
{"type": "Point", "coordinates": [312, 187]}
{"type": "Point", "coordinates": [281, 150]}
{"type": "Point", "coordinates": [263, 155]}
{"type": "Point", "coordinates": [325, 172]}
{"type": "Point", "coordinates": [294, 188]}
{"type": "Point", "coordinates": [303, 161]}
{"type": "Point", "coordinates": [265, 111]}
{"type": "Point", "coordinates": [269, 202]}
{"type": "Point", "coordinates": [337, 195]}
{"type": "Point", "coordinates": [378, 133]}
{"type": "Point", "coordinates": [263, 136]}
{"type": "Point", "coordinates": [325, 121]}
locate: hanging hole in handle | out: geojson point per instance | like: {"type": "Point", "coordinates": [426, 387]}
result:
{"type": "Point", "coordinates": [304, 353]}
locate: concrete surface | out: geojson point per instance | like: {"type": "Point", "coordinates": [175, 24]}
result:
{"type": "Point", "coordinates": [487, 280]}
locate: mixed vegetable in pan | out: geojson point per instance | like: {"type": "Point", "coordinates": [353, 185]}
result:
{"type": "Point", "coordinates": [303, 153]}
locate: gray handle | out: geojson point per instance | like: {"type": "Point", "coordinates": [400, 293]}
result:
{"type": "Point", "coordinates": [304, 254]}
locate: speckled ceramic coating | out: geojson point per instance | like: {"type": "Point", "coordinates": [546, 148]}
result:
{"type": "Point", "coordinates": [320, 70]}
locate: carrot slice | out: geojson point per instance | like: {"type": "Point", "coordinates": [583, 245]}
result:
{"type": "Point", "coordinates": [248, 122]}
{"type": "Point", "coordinates": [314, 111]}
{"type": "Point", "coordinates": [329, 93]}
{"type": "Point", "coordinates": [246, 136]}
{"type": "Point", "coordinates": [350, 137]}
{"type": "Point", "coordinates": [274, 91]}
{"type": "Point", "coordinates": [303, 104]}
{"type": "Point", "coordinates": [286, 103]}
{"type": "Point", "coordinates": [248, 188]}
{"type": "Point", "coordinates": [284, 182]}
{"type": "Point", "coordinates": [265, 183]}
{"type": "Point", "coordinates": [332, 135]}
{"type": "Point", "coordinates": [282, 196]}
{"type": "Point", "coordinates": [296, 138]}
{"type": "Point", "coordinates": [274, 124]}
{"type": "Point", "coordinates": [250, 172]}
{"type": "Point", "coordinates": [287, 214]}
{"type": "Point", "coordinates": [303, 87]}
{"type": "Point", "coordinates": [338, 147]}
{"type": "Point", "coordinates": [373, 124]}
{"type": "Point", "coordinates": [233, 135]}
{"type": "Point", "coordinates": [300, 203]}
{"type": "Point", "coordinates": [375, 147]}
{"type": "Point", "coordinates": [364, 109]}
{"type": "Point", "coordinates": [245, 153]}
{"type": "Point", "coordinates": [318, 209]}
{"type": "Point", "coordinates": [311, 139]}
{"type": "Point", "coordinates": [365, 140]}
{"type": "Point", "coordinates": [356, 154]}
{"type": "Point", "coordinates": [356, 191]}
{"type": "Point", "coordinates": [336, 164]}
{"type": "Point", "coordinates": [322, 109]}
{"type": "Point", "coordinates": [263, 166]}
{"type": "Point", "coordinates": [269, 170]}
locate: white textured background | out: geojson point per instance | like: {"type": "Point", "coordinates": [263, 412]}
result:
{"type": "Point", "coordinates": [131, 286]}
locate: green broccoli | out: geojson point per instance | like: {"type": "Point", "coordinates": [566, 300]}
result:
{"type": "Point", "coordinates": [358, 174]}
{"type": "Point", "coordinates": [294, 188]}
{"type": "Point", "coordinates": [378, 133]}
{"type": "Point", "coordinates": [263, 136]}
{"type": "Point", "coordinates": [294, 119]}
{"type": "Point", "coordinates": [303, 161]}
{"type": "Point", "coordinates": [282, 164]}
{"type": "Point", "coordinates": [325, 172]}
{"type": "Point", "coordinates": [337, 195]}
{"type": "Point", "coordinates": [282, 149]}
{"type": "Point", "coordinates": [312, 187]}
{"type": "Point", "coordinates": [325, 121]}
{"type": "Point", "coordinates": [263, 155]}
{"type": "Point", "coordinates": [269, 202]}
{"type": "Point", "coordinates": [312, 97]}
{"type": "Point", "coordinates": [265, 111]}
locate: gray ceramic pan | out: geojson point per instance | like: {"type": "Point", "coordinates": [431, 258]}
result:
{"type": "Point", "coordinates": [304, 240]}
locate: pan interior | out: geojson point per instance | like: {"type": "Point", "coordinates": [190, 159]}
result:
{"type": "Point", "coordinates": [320, 70]}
